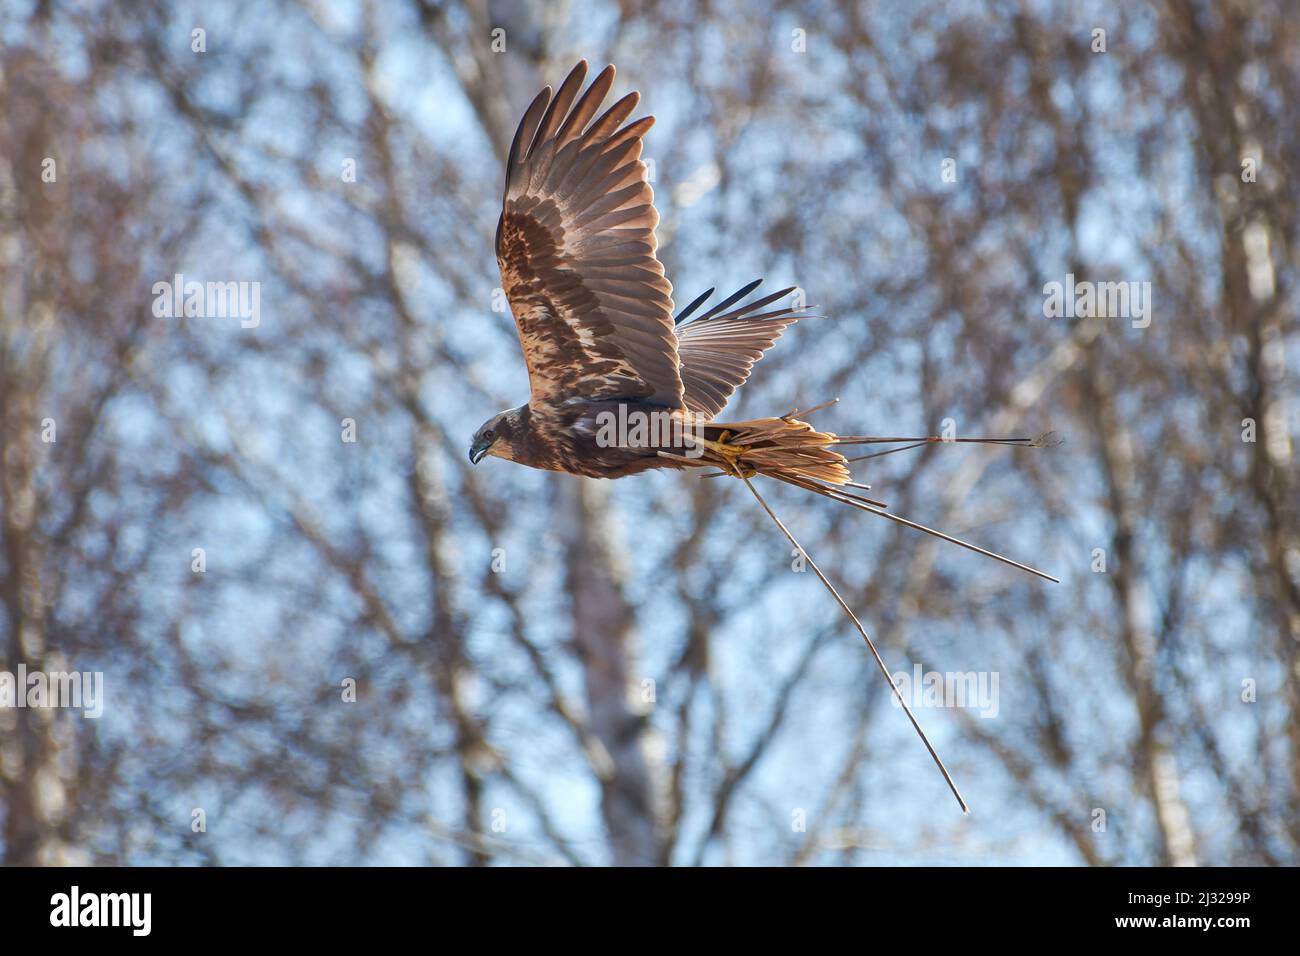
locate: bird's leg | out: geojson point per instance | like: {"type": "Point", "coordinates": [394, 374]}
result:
{"type": "Point", "coordinates": [730, 454]}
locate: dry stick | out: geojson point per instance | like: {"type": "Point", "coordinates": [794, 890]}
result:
{"type": "Point", "coordinates": [1040, 441]}
{"type": "Point", "coordinates": [935, 439]}
{"type": "Point", "coordinates": [826, 491]}
{"type": "Point", "coordinates": [808, 411]}
{"type": "Point", "coordinates": [881, 454]}
{"type": "Point", "coordinates": [856, 501]}
{"type": "Point", "coordinates": [958, 541]}
{"type": "Point", "coordinates": [880, 661]}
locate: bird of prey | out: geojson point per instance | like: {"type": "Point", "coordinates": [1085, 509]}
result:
{"type": "Point", "coordinates": [618, 384]}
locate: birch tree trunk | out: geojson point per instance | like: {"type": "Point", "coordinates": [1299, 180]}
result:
{"type": "Point", "coordinates": [604, 636]}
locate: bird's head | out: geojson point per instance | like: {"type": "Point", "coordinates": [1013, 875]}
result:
{"type": "Point", "coordinates": [495, 436]}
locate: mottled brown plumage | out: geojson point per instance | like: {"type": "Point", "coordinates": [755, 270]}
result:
{"type": "Point", "coordinates": [576, 249]}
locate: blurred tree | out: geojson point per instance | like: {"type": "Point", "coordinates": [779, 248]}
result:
{"type": "Point", "coordinates": [554, 670]}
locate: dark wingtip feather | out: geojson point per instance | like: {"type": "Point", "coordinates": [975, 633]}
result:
{"type": "Point", "coordinates": [730, 300]}
{"type": "Point", "coordinates": [586, 107]}
{"type": "Point", "coordinates": [525, 130]}
{"type": "Point", "coordinates": [558, 108]}
{"type": "Point", "coordinates": [685, 313]}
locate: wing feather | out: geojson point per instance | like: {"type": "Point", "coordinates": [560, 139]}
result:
{"type": "Point", "coordinates": [576, 248]}
{"type": "Point", "coordinates": [719, 348]}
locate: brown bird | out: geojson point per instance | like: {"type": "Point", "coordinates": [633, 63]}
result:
{"type": "Point", "coordinates": [619, 386]}
{"type": "Point", "coordinates": [576, 248]}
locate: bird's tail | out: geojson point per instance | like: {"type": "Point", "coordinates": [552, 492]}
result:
{"type": "Point", "coordinates": [793, 452]}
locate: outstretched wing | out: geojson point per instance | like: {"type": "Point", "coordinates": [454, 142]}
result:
{"type": "Point", "coordinates": [576, 248]}
{"type": "Point", "coordinates": [719, 348]}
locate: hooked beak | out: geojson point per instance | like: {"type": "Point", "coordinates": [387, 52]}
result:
{"type": "Point", "coordinates": [477, 451]}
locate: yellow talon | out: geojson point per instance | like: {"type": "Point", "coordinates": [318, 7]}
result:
{"type": "Point", "coordinates": [730, 453]}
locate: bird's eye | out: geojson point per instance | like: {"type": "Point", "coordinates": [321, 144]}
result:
{"type": "Point", "coordinates": [489, 435]}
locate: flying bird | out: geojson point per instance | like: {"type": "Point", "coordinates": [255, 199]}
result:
{"type": "Point", "coordinates": [619, 384]}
